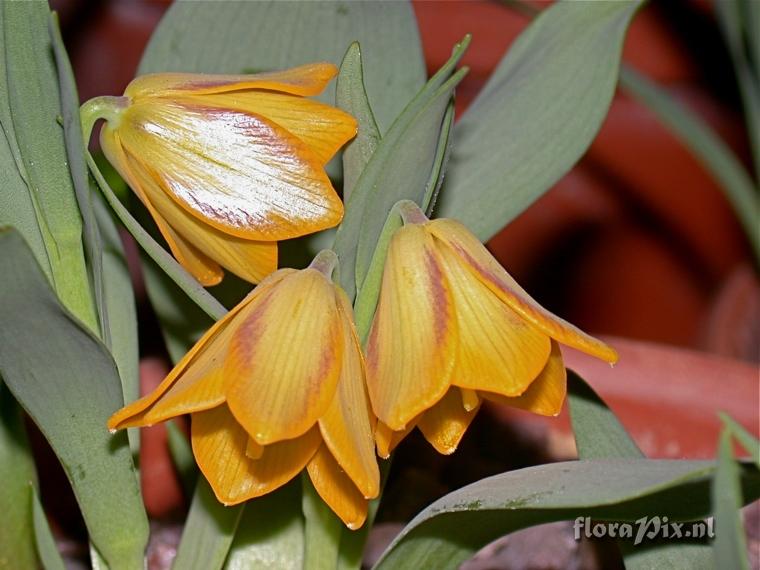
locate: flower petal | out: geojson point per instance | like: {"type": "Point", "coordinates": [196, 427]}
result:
{"type": "Point", "coordinates": [444, 424]}
{"type": "Point", "coordinates": [219, 445]}
{"type": "Point", "coordinates": [337, 489]}
{"type": "Point", "coordinates": [347, 426]}
{"type": "Point", "coordinates": [482, 264]}
{"type": "Point", "coordinates": [324, 129]}
{"type": "Point", "coordinates": [306, 80]}
{"type": "Point", "coordinates": [248, 259]}
{"type": "Point", "coordinates": [284, 362]}
{"type": "Point", "coordinates": [412, 343]}
{"type": "Point", "coordinates": [196, 382]}
{"type": "Point", "coordinates": [237, 171]}
{"type": "Point", "coordinates": [498, 350]}
{"type": "Point", "coordinates": [205, 270]}
{"type": "Point", "coordinates": [387, 439]}
{"type": "Point", "coordinates": [546, 393]}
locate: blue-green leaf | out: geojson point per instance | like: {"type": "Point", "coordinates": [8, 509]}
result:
{"type": "Point", "coordinates": [537, 114]}
{"type": "Point", "coordinates": [17, 543]}
{"type": "Point", "coordinates": [35, 107]}
{"type": "Point", "coordinates": [67, 382]}
{"type": "Point", "coordinates": [457, 525]}
{"type": "Point", "coordinates": [247, 37]}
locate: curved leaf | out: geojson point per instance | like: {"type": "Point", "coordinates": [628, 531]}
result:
{"type": "Point", "coordinates": [537, 114]}
{"type": "Point", "coordinates": [457, 525]}
{"type": "Point", "coordinates": [68, 383]}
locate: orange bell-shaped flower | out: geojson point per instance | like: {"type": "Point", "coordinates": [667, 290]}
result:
{"type": "Point", "coordinates": [274, 387]}
{"type": "Point", "coordinates": [228, 165]}
{"type": "Point", "coordinates": [451, 328]}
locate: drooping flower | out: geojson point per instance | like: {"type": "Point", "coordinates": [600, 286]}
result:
{"type": "Point", "coordinates": [274, 387]}
{"type": "Point", "coordinates": [452, 327]}
{"type": "Point", "coordinates": [228, 165]}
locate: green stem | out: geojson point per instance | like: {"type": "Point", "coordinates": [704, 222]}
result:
{"type": "Point", "coordinates": [166, 262]}
{"type": "Point", "coordinates": [366, 298]}
{"type": "Point", "coordinates": [107, 107]}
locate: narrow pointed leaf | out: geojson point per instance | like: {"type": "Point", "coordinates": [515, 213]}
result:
{"type": "Point", "coordinates": [598, 432]}
{"type": "Point", "coordinates": [35, 106]}
{"type": "Point", "coordinates": [730, 546]}
{"type": "Point", "coordinates": [209, 530]}
{"type": "Point", "coordinates": [46, 547]}
{"type": "Point", "coordinates": [17, 543]}
{"type": "Point", "coordinates": [708, 148]}
{"type": "Point", "coordinates": [400, 168]}
{"type": "Point", "coordinates": [351, 96]}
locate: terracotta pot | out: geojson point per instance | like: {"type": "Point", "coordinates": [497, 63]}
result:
{"type": "Point", "coordinates": [667, 398]}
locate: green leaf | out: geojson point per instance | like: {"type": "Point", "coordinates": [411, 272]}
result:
{"type": "Point", "coordinates": [46, 548]}
{"type": "Point", "coordinates": [119, 304]}
{"type": "Point", "coordinates": [400, 168]}
{"type": "Point", "coordinates": [209, 530]}
{"type": "Point", "coordinates": [351, 96]}
{"type": "Point", "coordinates": [75, 149]}
{"type": "Point", "coordinates": [270, 534]}
{"type": "Point", "coordinates": [707, 147]}
{"type": "Point", "coordinates": [248, 37]}
{"type": "Point", "coordinates": [18, 205]}
{"type": "Point", "coordinates": [457, 525]}
{"type": "Point", "coordinates": [182, 457]}
{"type": "Point", "coordinates": [738, 20]}
{"type": "Point", "coordinates": [353, 542]}
{"type": "Point", "coordinates": [746, 439]}
{"type": "Point", "coordinates": [35, 107]}
{"type": "Point", "coordinates": [598, 432]}
{"type": "Point", "coordinates": [537, 114]}
{"type": "Point", "coordinates": [67, 382]}
{"type": "Point", "coordinates": [730, 545]}
{"type": "Point", "coordinates": [17, 544]}
{"type": "Point", "coordinates": [322, 530]}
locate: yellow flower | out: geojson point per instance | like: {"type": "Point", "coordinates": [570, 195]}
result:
{"type": "Point", "coordinates": [274, 387]}
{"type": "Point", "coordinates": [228, 165]}
{"type": "Point", "coordinates": [451, 328]}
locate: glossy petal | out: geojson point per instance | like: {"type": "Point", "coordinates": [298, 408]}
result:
{"type": "Point", "coordinates": [324, 129]}
{"type": "Point", "coordinates": [444, 424]}
{"type": "Point", "coordinates": [412, 344]}
{"type": "Point", "coordinates": [305, 80]}
{"type": "Point", "coordinates": [347, 426]}
{"type": "Point", "coordinates": [196, 382]}
{"type": "Point", "coordinates": [498, 350]}
{"type": "Point", "coordinates": [284, 362]}
{"type": "Point", "coordinates": [239, 172]}
{"type": "Point", "coordinates": [546, 393]}
{"type": "Point", "coordinates": [219, 445]}
{"type": "Point", "coordinates": [204, 269]}
{"type": "Point", "coordinates": [337, 489]}
{"type": "Point", "coordinates": [387, 439]}
{"type": "Point", "coordinates": [248, 259]}
{"type": "Point", "coordinates": [483, 265]}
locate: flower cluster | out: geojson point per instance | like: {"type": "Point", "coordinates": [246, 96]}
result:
{"type": "Point", "coordinates": [280, 384]}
